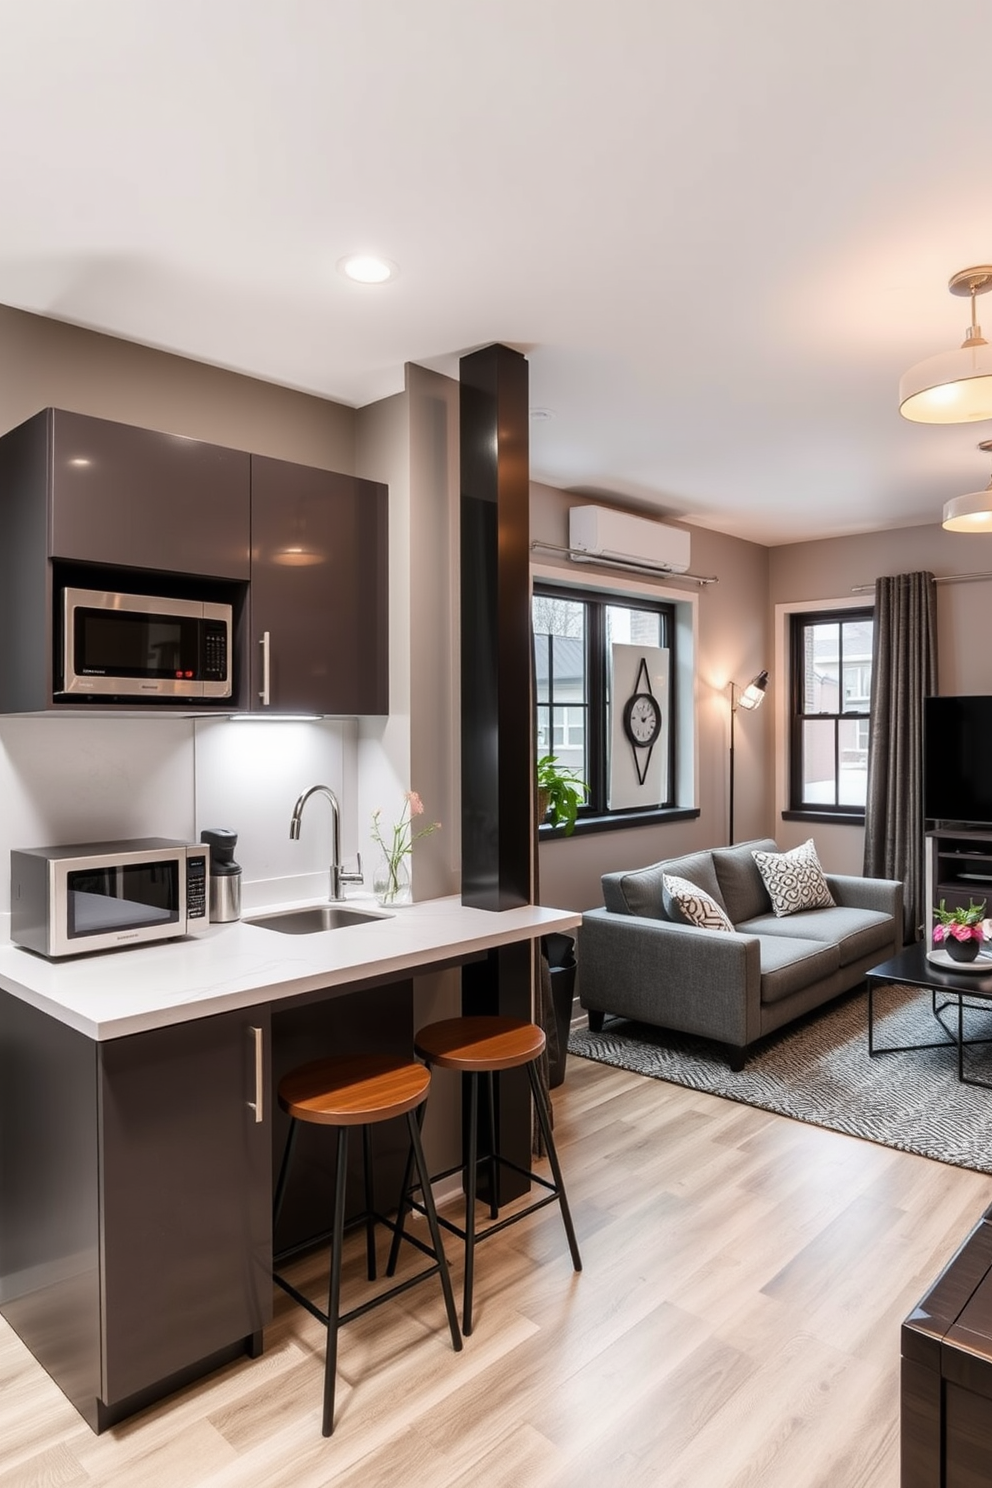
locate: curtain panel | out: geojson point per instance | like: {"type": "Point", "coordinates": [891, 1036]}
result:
{"type": "Point", "coordinates": [904, 672]}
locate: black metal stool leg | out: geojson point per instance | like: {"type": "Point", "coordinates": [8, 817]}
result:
{"type": "Point", "coordinates": [417, 1151]}
{"type": "Point", "coordinates": [284, 1173]}
{"type": "Point", "coordinates": [369, 1202]}
{"type": "Point", "coordinates": [493, 1149]}
{"type": "Point", "coordinates": [404, 1208]}
{"type": "Point", "coordinates": [544, 1119]}
{"type": "Point", "coordinates": [334, 1301]}
{"type": "Point", "coordinates": [472, 1168]}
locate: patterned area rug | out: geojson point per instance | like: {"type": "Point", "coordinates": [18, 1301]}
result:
{"type": "Point", "coordinates": [818, 1070]}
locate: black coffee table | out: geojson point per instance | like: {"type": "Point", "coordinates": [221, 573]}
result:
{"type": "Point", "coordinates": [947, 988]}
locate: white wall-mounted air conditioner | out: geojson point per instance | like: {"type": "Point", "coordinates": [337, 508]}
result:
{"type": "Point", "coordinates": [598, 532]}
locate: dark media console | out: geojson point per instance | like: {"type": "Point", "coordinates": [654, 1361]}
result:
{"type": "Point", "coordinates": [958, 869]}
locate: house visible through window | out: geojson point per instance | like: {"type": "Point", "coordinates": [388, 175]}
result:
{"type": "Point", "coordinates": [573, 636]}
{"type": "Point", "coordinates": [831, 710]}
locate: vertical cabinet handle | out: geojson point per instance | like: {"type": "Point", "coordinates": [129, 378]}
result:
{"type": "Point", "coordinates": [258, 1104]}
{"type": "Point", "coordinates": [264, 643]}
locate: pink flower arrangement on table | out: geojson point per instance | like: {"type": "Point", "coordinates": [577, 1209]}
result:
{"type": "Point", "coordinates": [959, 924]}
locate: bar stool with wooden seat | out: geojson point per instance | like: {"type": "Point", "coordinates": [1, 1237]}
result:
{"type": "Point", "coordinates": [478, 1046]}
{"type": "Point", "coordinates": [361, 1090]}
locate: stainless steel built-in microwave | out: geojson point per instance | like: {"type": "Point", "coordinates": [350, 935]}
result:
{"type": "Point", "coordinates": [137, 646]}
{"type": "Point", "coordinates": [99, 896]}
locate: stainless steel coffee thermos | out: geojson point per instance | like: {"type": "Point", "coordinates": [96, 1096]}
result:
{"type": "Point", "coordinates": [225, 875]}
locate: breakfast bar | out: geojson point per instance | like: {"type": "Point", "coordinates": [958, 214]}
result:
{"type": "Point", "coordinates": [136, 1127]}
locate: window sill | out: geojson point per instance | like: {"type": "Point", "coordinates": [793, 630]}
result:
{"type": "Point", "coordinates": [620, 821]}
{"type": "Point", "coordinates": [834, 818]}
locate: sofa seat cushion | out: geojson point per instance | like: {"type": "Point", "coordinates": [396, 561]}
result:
{"type": "Point", "coordinates": [855, 932]}
{"type": "Point", "coordinates": [790, 965]}
{"type": "Point", "coordinates": [741, 885]}
{"type": "Point", "coordinates": [641, 892]}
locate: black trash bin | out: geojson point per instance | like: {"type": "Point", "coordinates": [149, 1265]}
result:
{"type": "Point", "coordinates": [560, 951]}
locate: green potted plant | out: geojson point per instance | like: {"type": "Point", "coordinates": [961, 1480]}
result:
{"type": "Point", "coordinates": [959, 930]}
{"type": "Point", "coordinates": [560, 793]}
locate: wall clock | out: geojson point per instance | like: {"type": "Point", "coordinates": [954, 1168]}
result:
{"type": "Point", "coordinates": [642, 721]}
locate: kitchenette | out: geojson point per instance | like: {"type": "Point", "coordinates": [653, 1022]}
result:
{"type": "Point", "coordinates": [138, 1133]}
{"type": "Point", "coordinates": [139, 1136]}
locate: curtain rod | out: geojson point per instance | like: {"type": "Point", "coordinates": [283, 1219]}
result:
{"type": "Point", "coordinates": [579, 556]}
{"type": "Point", "coordinates": [939, 579]}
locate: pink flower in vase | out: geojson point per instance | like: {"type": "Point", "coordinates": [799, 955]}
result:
{"type": "Point", "coordinates": [938, 934]}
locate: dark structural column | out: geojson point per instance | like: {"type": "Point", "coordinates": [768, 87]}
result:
{"type": "Point", "coordinates": [497, 850]}
{"type": "Point", "coordinates": [496, 753]}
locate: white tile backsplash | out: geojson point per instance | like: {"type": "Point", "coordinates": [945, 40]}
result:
{"type": "Point", "coordinates": [86, 779]}
{"type": "Point", "coordinates": [249, 776]}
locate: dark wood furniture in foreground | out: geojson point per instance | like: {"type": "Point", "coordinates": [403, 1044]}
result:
{"type": "Point", "coordinates": [959, 989]}
{"type": "Point", "coordinates": [360, 1090]}
{"type": "Point", "coordinates": [946, 1392]}
{"type": "Point", "coordinates": [477, 1046]}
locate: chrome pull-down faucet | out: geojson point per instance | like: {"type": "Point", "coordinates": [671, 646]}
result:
{"type": "Point", "coordinates": [337, 873]}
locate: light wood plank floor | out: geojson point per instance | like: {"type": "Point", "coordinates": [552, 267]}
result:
{"type": "Point", "coordinates": [736, 1326]}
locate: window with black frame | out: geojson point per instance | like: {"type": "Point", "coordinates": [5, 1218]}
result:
{"type": "Point", "coordinates": [574, 632]}
{"type": "Point", "coordinates": [830, 711]}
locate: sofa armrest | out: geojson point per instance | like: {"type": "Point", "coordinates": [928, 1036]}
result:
{"type": "Point", "coordinates": [881, 894]}
{"type": "Point", "coordinates": [706, 982]}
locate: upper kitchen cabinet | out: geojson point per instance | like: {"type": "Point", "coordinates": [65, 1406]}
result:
{"type": "Point", "coordinates": [126, 497]}
{"type": "Point", "coordinates": [319, 591]}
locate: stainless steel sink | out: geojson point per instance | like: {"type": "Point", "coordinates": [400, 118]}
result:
{"type": "Point", "coordinates": [314, 919]}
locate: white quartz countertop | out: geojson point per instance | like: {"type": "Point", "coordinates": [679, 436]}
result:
{"type": "Point", "coordinates": [115, 993]}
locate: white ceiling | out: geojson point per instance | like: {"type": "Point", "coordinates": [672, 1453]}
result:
{"type": "Point", "coordinates": [720, 229]}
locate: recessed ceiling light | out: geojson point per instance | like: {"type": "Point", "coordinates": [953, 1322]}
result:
{"type": "Point", "coordinates": [366, 268]}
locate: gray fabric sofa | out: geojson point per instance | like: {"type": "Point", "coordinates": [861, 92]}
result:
{"type": "Point", "coordinates": [732, 987]}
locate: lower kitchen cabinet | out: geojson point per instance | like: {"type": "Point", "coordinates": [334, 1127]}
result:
{"type": "Point", "coordinates": [135, 1234]}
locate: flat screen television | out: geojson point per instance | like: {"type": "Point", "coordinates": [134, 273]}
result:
{"type": "Point", "coordinates": [957, 759]}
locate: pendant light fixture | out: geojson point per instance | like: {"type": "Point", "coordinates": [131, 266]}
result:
{"type": "Point", "coordinates": [956, 386]}
{"type": "Point", "coordinates": [973, 512]}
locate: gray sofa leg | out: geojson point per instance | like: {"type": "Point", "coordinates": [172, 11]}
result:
{"type": "Point", "coordinates": [595, 1020]}
{"type": "Point", "coordinates": [736, 1057]}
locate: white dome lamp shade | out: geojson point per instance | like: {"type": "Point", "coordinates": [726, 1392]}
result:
{"type": "Point", "coordinates": [972, 512]}
{"type": "Point", "coordinates": [956, 386]}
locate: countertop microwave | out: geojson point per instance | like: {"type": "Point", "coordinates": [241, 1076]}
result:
{"type": "Point", "coordinates": [139, 646]}
{"type": "Point", "coordinates": [99, 896]}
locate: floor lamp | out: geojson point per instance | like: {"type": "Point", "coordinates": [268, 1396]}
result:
{"type": "Point", "coordinates": [748, 698]}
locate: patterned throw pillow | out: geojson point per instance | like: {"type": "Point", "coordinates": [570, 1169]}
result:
{"type": "Point", "coordinates": [686, 904]}
{"type": "Point", "coordinates": [794, 880]}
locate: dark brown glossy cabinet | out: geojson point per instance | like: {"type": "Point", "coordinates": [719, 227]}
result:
{"type": "Point", "coordinates": [319, 587]}
{"type": "Point", "coordinates": [135, 1237]}
{"type": "Point", "coordinates": [125, 497]}
{"type": "Point", "coordinates": [300, 554]}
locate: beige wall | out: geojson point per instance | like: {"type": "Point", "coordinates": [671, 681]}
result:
{"type": "Point", "coordinates": [829, 570]}
{"type": "Point", "coordinates": [414, 439]}
{"type": "Point", "coordinates": [46, 364]}
{"type": "Point", "coordinates": [733, 644]}
{"type": "Point", "coordinates": [410, 441]}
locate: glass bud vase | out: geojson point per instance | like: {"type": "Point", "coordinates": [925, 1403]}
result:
{"type": "Point", "coordinates": [391, 883]}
